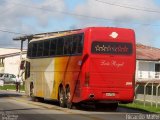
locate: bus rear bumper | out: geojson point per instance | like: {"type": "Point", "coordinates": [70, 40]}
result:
{"type": "Point", "coordinates": [124, 95]}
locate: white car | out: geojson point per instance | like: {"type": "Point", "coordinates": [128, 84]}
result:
{"type": "Point", "coordinates": [1, 83]}
{"type": "Point", "coordinates": [8, 78]}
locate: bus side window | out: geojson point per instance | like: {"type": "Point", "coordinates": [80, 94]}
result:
{"type": "Point", "coordinates": [40, 49]}
{"type": "Point", "coordinates": [29, 51]}
{"type": "Point", "coordinates": [80, 43]}
{"type": "Point", "coordinates": [46, 48]}
{"type": "Point", "coordinates": [67, 45]}
{"type": "Point", "coordinates": [34, 50]}
{"type": "Point", "coordinates": [74, 45]}
{"type": "Point", "coordinates": [60, 46]}
{"type": "Point", "coordinates": [27, 70]}
{"type": "Point", "coordinates": [53, 47]}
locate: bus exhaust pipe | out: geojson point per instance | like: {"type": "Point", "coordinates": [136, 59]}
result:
{"type": "Point", "coordinates": [91, 96]}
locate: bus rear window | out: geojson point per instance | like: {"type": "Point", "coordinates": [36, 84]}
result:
{"type": "Point", "coordinates": [116, 48]}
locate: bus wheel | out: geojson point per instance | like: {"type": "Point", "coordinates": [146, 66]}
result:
{"type": "Point", "coordinates": [61, 97]}
{"type": "Point", "coordinates": [68, 98]}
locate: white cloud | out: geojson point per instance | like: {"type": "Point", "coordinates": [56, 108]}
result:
{"type": "Point", "coordinates": [123, 17]}
{"type": "Point", "coordinates": [102, 10]}
{"type": "Point", "coordinates": [27, 16]}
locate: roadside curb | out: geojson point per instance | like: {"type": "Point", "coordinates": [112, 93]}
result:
{"type": "Point", "coordinates": [15, 91]}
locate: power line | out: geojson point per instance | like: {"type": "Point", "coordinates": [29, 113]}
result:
{"type": "Point", "coordinates": [129, 7]}
{"type": "Point", "coordinates": [80, 15]}
{"type": "Point", "coordinates": [11, 32]}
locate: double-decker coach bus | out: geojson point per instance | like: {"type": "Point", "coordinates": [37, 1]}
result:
{"type": "Point", "coordinates": [94, 64]}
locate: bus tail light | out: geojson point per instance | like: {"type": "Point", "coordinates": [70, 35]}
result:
{"type": "Point", "coordinates": [87, 78]}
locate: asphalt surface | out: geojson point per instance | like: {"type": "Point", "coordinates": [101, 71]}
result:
{"type": "Point", "coordinates": [17, 106]}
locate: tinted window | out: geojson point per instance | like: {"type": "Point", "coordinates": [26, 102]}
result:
{"type": "Point", "coordinates": [77, 44]}
{"type": "Point", "coordinates": [6, 75]}
{"type": "Point", "coordinates": [60, 43]}
{"type": "Point", "coordinates": [29, 51]}
{"type": "Point", "coordinates": [40, 49]}
{"type": "Point", "coordinates": [67, 45]}
{"type": "Point", "coordinates": [111, 48]}
{"type": "Point", "coordinates": [34, 49]}
{"type": "Point", "coordinates": [46, 48]}
{"type": "Point", "coordinates": [1, 75]}
{"type": "Point", "coordinates": [13, 76]}
{"type": "Point", "coordinates": [53, 47]}
{"type": "Point", "coordinates": [74, 45]}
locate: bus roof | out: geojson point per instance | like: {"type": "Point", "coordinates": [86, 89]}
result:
{"type": "Point", "coordinates": [55, 35]}
{"type": "Point", "coordinates": [42, 36]}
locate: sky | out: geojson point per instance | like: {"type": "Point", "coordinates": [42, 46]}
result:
{"type": "Point", "coordinates": [24, 17]}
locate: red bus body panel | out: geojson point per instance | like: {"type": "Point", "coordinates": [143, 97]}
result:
{"type": "Point", "coordinates": [111, 76]}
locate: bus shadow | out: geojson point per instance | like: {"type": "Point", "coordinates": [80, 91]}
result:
{"type": "Point", "coordinates": [92, 108]}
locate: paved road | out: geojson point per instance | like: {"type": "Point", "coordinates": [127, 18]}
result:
{"type": "Point", "coordinates": [16, 106]}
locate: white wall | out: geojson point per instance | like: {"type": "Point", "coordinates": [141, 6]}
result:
{"type": "Point", "coordinates": [146, 69]}
{"type": "Point", "coordinates": [146, 66]}
{"type": "Point", "coordinates": [1, 69]}
{"type": "Point", "coordinates": [11, 64]}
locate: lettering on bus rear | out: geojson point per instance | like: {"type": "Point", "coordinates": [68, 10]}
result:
{"type": "Point", "coordinates": [117, 48]}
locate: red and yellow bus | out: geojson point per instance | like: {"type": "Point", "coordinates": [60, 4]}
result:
{"type": "Point", "coordinates": [94, 64]}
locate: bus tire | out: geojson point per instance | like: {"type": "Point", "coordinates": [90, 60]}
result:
{"type": "Point", "coordinates": [68, 98]}
{"type": "Point", "coordinates": [61, 95]}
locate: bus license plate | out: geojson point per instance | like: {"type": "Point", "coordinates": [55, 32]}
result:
{"type": "Point", "coordinates": [110, 94]}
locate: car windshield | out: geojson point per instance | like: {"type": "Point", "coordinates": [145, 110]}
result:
{"type": "Point", "coordinates": [13, 76]}
{"type": "Point", "coordinates": [1, 75]}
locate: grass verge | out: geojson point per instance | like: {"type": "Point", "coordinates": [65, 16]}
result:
{"type": "Point", "coordinates": [140, 106]}
{"type": "Point", "coordinates": [11, 87]}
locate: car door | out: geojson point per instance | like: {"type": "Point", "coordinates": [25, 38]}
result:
{"type": "Point", "coordinates": [12, 78]}
{"type": "Point", "coordinates": [6, 78]}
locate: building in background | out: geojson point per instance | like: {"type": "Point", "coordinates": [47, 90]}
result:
{"type": "Point", "coordinates": [148, 74]}
{"type": "Point", "coordinates": [10, 60]}
{"type": "Point", "coordinates": [148, 63]}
